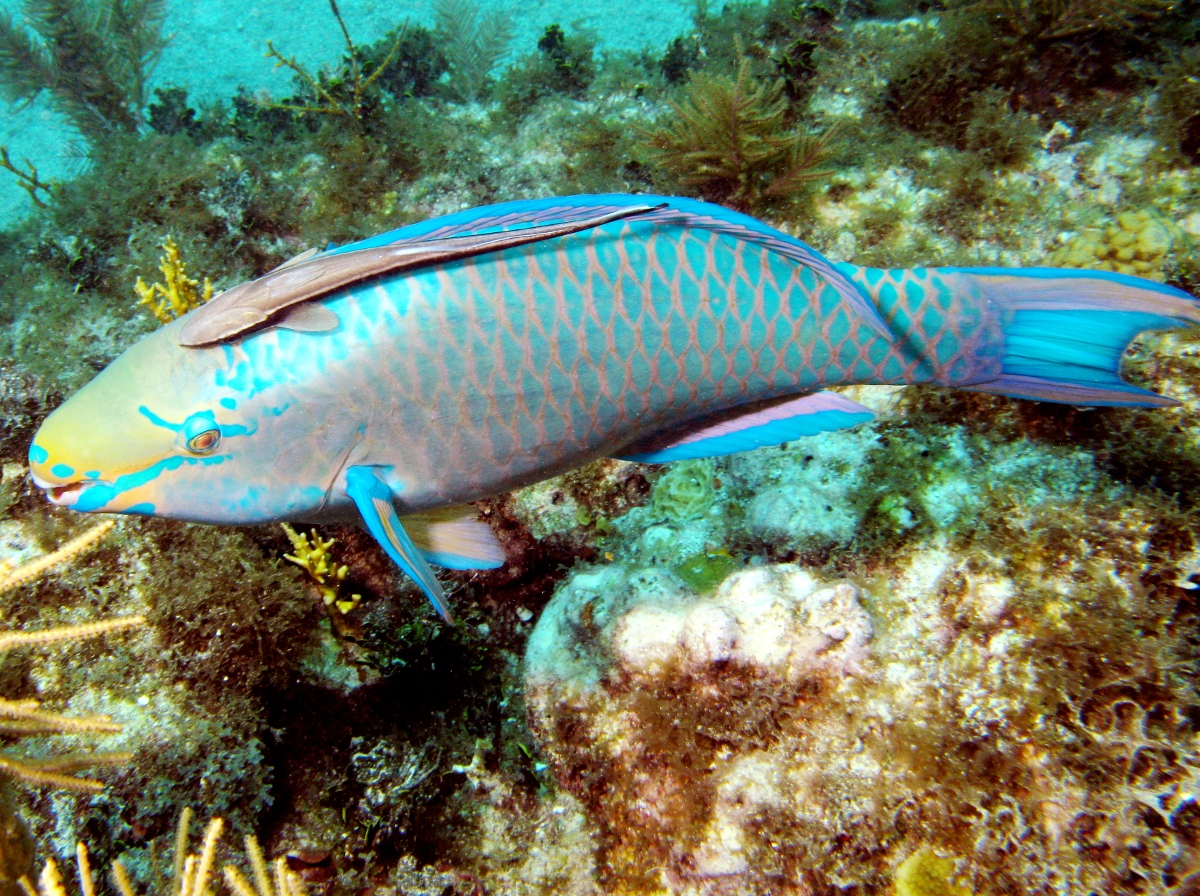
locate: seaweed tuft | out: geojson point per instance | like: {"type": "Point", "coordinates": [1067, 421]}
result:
{"type": "Point", "coordinates": [731, 140]}
{"type": "Point", "coordinates": [93, 59]}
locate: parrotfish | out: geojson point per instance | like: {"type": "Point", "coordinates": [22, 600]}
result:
{"type": "Point", "coordinates": [408, 374]}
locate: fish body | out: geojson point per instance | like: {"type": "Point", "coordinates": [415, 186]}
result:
{"type": "Point", "coordinates": [671, 330]}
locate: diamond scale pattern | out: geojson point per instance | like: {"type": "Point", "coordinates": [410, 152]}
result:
{"type": "Point", "coordinates": [548, 354]}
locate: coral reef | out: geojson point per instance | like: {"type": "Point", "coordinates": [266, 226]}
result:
{"type": "Point", "coordinates": [790, 732]}
{"type": "Point", "coordinates": [176, 294]}
{"type": "Point", "coordinates": [951, 651]}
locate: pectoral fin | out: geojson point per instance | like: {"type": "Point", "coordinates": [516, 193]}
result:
{"type": "Point", "coordinates": [455, 538]}
{"type": "Point", "coordinates": [374, 501]}
{"type": "Point", "coordinates": [312, 317]}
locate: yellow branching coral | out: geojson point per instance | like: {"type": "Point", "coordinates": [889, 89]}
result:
{"type": "Point", "coordinates": [286, 883]}
{"type": "Point", "coordinates": [312, 555]}
{"type": "Point", "coordinates": [11, 578]}
{"type": "Point", "coordinates": [25, 718]}
{"type": "Point", "coordinates": [191, 873]}
{"type": "Point", "coordinates": [176, 295]}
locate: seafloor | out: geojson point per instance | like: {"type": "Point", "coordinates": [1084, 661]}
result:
{"type": "Point", "coordinates": [951, 652]}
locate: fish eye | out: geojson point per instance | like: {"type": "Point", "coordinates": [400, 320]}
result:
{"type": "Point", "coordinates": [200, 433]}
{"type": "Point", "coordinates": [204, 442]}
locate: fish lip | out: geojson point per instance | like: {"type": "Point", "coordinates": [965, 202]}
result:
{"type": "Point", "coordinates": [66, 494]}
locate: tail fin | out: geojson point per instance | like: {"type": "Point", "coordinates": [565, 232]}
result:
{"type": "Point", "coordinates": [1065, 332]}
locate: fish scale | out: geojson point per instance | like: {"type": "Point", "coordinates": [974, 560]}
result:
{"type": "Point", "coordinates": [544, 356]}
{"type": "Point", "coordinates": [457, 358]}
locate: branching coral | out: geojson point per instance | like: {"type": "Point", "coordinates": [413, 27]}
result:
{"type": "Point", "coordinates": [312, 555]}
{"type": "Point", "coordinates": [730, 140]}
{"type": "Point", "coordinates": [191, 873]}
{"type": "Point", "coordinates": [27, 178]}
{"type": "Point", "coordinates": [93, 57]}
{"type": "Point", "coordinates": [14, 578]}
{"type": "Point", "coordinates": [176, 294]}
{"type": "Point", "coordinates": [342, 94]}
{"type": "Point", "coordinates": [24, 718]}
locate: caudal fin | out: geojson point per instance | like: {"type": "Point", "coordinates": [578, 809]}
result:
{"type": "Point", "coordinates": [1066, 330]}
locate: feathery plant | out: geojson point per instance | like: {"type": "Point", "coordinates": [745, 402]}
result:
{"type": "Point", "coordinates": [343, 92]}
{"type": "Point", "coordinates": [1048, 20]}
{"type": "Point", "coordinates": [729, 139]}
{"type": "Point", "coordinates": [474, 44]}
{"type": "Point", "coordinates": [92, 56]}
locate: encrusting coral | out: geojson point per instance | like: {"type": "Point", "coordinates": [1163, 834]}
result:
{"type": "Point", "coordinates": [1137, 242]}
{"type": "Point", "coordinates": [176, 294]}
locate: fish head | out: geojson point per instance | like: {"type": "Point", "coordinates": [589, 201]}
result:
{"type": "Point", "coordinates": [159, 432]}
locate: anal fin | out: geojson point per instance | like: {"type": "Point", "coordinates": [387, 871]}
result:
{"type": "Point", "coordinates": [373, 498]}
{"type": "Point", "coordinates": [751, 426]}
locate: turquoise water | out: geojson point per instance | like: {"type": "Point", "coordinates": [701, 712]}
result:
{"type": "Point", "coordinates": [945, 645]}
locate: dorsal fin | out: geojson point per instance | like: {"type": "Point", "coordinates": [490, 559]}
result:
{"type": "Point", "coordinates": [666, 210]}
{"type": "Point", "coordinates": [249, 306]}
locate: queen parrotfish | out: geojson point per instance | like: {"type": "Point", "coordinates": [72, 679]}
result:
{"type": "Point", "coordinates": [408, 374]}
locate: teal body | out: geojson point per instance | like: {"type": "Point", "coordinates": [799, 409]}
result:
{"type": "Point", "coordinates": [677, 333]}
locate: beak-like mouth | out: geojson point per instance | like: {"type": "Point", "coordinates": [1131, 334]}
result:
{"type": "Point", "coordinates": [68, 494]}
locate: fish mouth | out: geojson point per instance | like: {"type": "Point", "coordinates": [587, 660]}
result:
{"type": "Point", "coordinates": [67, 494]}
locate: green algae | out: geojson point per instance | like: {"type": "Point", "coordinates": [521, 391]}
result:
{"type": "Point", "coordinates": [703, 572]}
